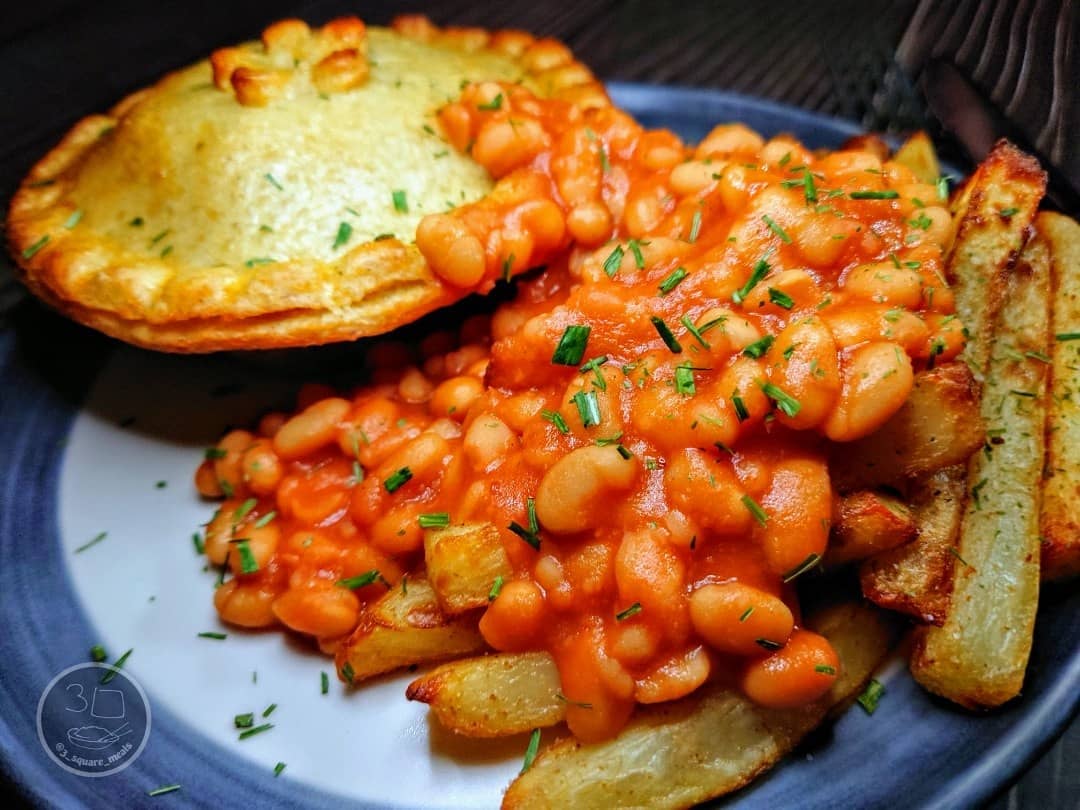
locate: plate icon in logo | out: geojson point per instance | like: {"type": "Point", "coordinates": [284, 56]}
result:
{"type": "Point", "coordinates": [93, 719]}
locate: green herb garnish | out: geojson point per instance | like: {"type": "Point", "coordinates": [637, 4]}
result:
{"type": "Point", "coordinates": [557, 420]}
{"type": "Point", "coordinates": [401, 203]}
{"type": "Point", "coordinates": [571, 346]}
{"type": "Point", "coordinates": [775, 228]}
{"type": "Point", "coordinates": [673, 280]}
{"type": "Point", "coordinates": [666, 335]}
{"type": "Point", "coordinates": [754, 508]}
{"type": "Point", "coordinates": [344, 234]}
{"type": "Point", "coordinates": [784, 401]}
{"type": "Point", "coordinates": [759, 347]}
{"type": "Point", "coordinates": [397, 480]}
{"type": "Point", "coordinates": [871, 695]}
{"type": "Point", "coordinates": [588, 407]}
{"type": "Point", "coordinates": [633, 610]}
{"type": "Point", "coordinates": [887, 194]}
{"type": "Point", "coordinates": [810, 562]}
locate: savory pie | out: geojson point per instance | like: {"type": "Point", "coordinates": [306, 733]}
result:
{"type": "Point", "coordinates": [269, 196]}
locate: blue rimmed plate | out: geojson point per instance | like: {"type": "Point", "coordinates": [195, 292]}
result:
{"type": "Point", "coordinates": [98, 437]}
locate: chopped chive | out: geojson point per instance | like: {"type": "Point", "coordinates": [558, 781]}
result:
{"type": "Point", "coordinates": [1008, 212]}
{"type": "Point", "coordinates": [397, 480]}
{"type": "Point", "coordinates": [273, 181]}
{"type": "Point", "coordinates": [781, 298]}
{"type": "Point", "coordinates": [871, 695]}
{"type": "Point", "coordinates": [115, 666]}
{"type": "Point", "coordinates": [353, 583]}
{"type": "Point", "coordinates": [922, 222]}
{"type": "Point", "coordinates": [825, 669]}
{"type": "Point", "coordinates": [1040, 356]}
{"type": "Point", "coordinates": [244, 720]}
{"type": "Point", "coordinates": [269, 710]}
{"type": "Point", "coordinates": [278, 769]}
{"type": "Point", "coordinates": [635, 249]}
{"type": "Point", "coordinates": [693, 330]}
{"type": "Point", "coordinates": [956, 553]}
{"type": "Point", "coordinates": [810, 562]}
{"type": "Point", "coordinates": [532, 538]}
{"type": "Point", "coordinates": [1063, 336]}
{"type": "Point", "coordinates": [357, 474]}
{"type": "Point", "coordinates": [344, 234]}
{"type": "Point", "coordinates": [93, 542]}
{"type": "Point", "coordinates": [73, 220]}
{"type": "Point", "coordinates": [759, 347]}
{"type": "Point", "coordinates": [260, 260]}
{"type": "Point", "coordinates": [633, 610]}
{"type": "Point", "coordinates": [434, 520]}
{"type": "Point", "coordinates": [530, 511]}
{"type": "Point", "coordinates": [588, 408]}
{"type": "Point", "coordinates": [265, 520]}
{"type": "Point", "coordinates": [348, 673]}
{"type": "Point", "coordinates": [887, 194]}
{"type": "Point", "coordinates": [251, 732]}
{"type": "Point", "coordinates": [34, 248]}
{"type": "Point", "coordinates": [571, 346]}
{"type": "Point", "coordinates": [666, 334]}
{"type": "Point", "coordinates": [673, 280]}
{"type": "Point", "coordinates": [760, 270]}
{"type": "Point", "coordinates": [626, 454]}
{"type": "Point", "coordinates": [243, 509]}
{"type": "Point", "coordinates": [768, 644]}
{"type": "Point", "coordinates": [1019, 393]}
{"type": "Point", "coordinates": [741, 411]}
{"type": "Point", "coordinates": [401, 203]}
{"type": "Point", "coordinates": [943, 187]}
{"type": "Point", "coordinates": [166, 251]}
{"type": "Point", "coordinates": [383, 236]}
{"type": "Point", "coordinates": [161, 791]}
{"type": "Point", "coordinates": [775, 228]}
{"type": "Point", "coordinates": [508, 267]}
{"type": "Point", "coordinates": [784, 401]}
{"type": "Point", "coordinates": [531, 750]}
{"type": "Point", "coordinates": [42, 183]}
{"type": "Point", "coordinates": [604, 441]}
{"type": "Point", "coordinates": [496, 589]}
{"type": "Point", "coordinates": [324, 683]}
{"type": "Point", "coordinates": [684, 380]}
{"type": "Point", "coordinates": [212, 635]}
{"type": "Point", "coordinates": [754, 508]}
{"type": "Point", "coordinates": [556, 419]}
{"type": "Point", "coordinates": [695, 226]}
{"type": "Point", "coordinates": [97, 654]}
{"type": "Point", "coordinates": [160, 236]}
{"type": "Point", "coordinates": [746, 614]}
{"type": "Point", "coordinates": [494, 104]}
{"type": "Point", "coordinates": [563, 698]}
{"type": "Point", "coordinates": [226, 488]}
{"type": "Point", "coordinates": [248, 563]}
{"type": "Point", "coordinates": [809, 190]}
{"type": "Point", "coordinates": [212, 453]}
{"type": "Point", "coordinates": [613, 261]}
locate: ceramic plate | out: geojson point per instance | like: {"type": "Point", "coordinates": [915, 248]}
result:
{"type": "Point", "coordinates": [99, 437]}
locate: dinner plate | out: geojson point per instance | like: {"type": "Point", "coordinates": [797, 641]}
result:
{"type": "Point", "coordinates": [99, 437]}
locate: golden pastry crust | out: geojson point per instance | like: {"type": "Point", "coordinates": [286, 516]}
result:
{"type": "Point", "coordinates": [269, 196]}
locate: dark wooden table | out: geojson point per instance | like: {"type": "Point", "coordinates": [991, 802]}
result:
{"type": "Point", "coordinates": [857, 59]}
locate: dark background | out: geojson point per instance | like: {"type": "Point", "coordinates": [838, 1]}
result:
{"type": "Point", "coordinates": [873, 62]}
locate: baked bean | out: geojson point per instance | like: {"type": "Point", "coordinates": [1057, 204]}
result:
{"type": "Point", "coordinates": [261, 542]}
{"type": "Point", "coordinates": [885, 283]}
{"type": "Point", "coordinates": [227, 467]}
{"type": "Point", "coordinates": [634, 644]}
{"type": "Point", "coordinates": [321, 609]}
{"type": "Point", "coordinates": [734, 617]}
{"type": "Point", "coordinates": [513, 620]}
{"type": "Point", "coordinates": [675, 677]}
{"type": "Point", "coordinates": [804, 670]}
{"type": "Point", "coordinates": [414, 387]}
{"type": "Point", "coordinates": [206, 481]}
{"type": "Point", "coordinates": [648, 572]}
{"type": "Point", "coordinates": [877, 378]}
{"type": "Point", "coordinates": [262, 469]}
{"type": "Point", "coordinates": [570, 491]}
{"type": "Point", "coordinates": [451, 251]}
{"type": "Point", "coordinates": [802, 362]}
{"type": "Point", "coordinates": [698, 485]}
{"type": "Point", "coordinates": [693, 176]}
{"type": "Point", "coordinates": [729, 138]}
{"type": "Point", "coordinates": [798, 514]}
{"type": "Point", "coordinates": [245, 604]}
{"type": "Point", "coordinates": [311, 429]}
{"type": "Point", "coordinates": [488, 441]}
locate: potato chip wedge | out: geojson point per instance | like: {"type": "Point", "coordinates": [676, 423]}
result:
{"type": "Point", "coordinates": [403, 628]}
{"type": "Point", "coordinates": [918, 154]}
{"type": "Point", "coordinates": [937, 427]}
{"type": "Point", "coordinates": [715, 741]}
{"type": "Point", "coordinates": [493, 695]}
{"type": "Point", "coordinates": [916, 578]}
{"type": "Point", "coordinates": [865, 523]}
{"type": "Point", "coordinates": [463, 562]}
{"type": "Point", "coordinates": [992, 215]}
{"type": "Point", "coordinates": [978, 656]}
{"type": "Point", "coordinates": [1061, 488]}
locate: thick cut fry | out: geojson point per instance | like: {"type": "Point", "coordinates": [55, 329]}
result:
{"type": "Point", "coordinates": [992, 216]}
{"type": "Point", "coordinates": [1061, 489]}
{"type": "Point", "coordinates": [403, 628]}
{"type": "Point", "coordinates": [462, 563]}
{"type": "Point", "coordinates": [713, 742]}
{"type": "Point", "coordinates": [978, 656]}
{"type": "Point", "coordinates": [494, 695]}
{"type": "Point", "coordinates": [918, 155]}
{"type": "Point", "coordinates": [865, 523]}
{"type": "Point", "coordinates": [917, 578]}
{"type": "Point", "coordinates": [937, 427]}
